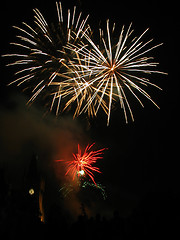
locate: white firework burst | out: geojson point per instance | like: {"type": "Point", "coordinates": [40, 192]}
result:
{"type": "Point", "coordinates": [44, 59]}
{"type": "Point", "coordinates": [113, 68]}
{"type": "Point", "coordinates": [62, 63]}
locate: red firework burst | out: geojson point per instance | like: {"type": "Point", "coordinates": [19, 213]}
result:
{"type": "Point", "coordinates": [82, 162]}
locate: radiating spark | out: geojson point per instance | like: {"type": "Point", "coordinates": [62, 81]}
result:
{"type": "Point", "coordinates": [97, 186]}
{"type": "Point", "coordinates": [44, 58]}
{"type": "Point", "coordinates": [66, 67]}
{"type": "Point", "coordinates": [68, 188]}
{"type": "Point", "coordinates": [82, 162]}
{"type": "Point", "coordinates": [115, 68]}
{"type": "Point", "coordinates": [81, 91]}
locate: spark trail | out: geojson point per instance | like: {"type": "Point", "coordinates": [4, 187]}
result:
{"type": "Point", "coordinates": [41, 57]}
{"type": "Point", "coordinates": [116, 67]}
{"type": "Point", "coordinates": [82, 162]}
{"type": "Point", "coordinates": [69, 67]}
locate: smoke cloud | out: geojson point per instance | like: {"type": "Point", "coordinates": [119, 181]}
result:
{"type": "Point", "coordinates": [25, 132]}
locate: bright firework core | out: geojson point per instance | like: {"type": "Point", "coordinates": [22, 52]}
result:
{"type": "Point", "coordinates": [81, 172]}
{"type": "Point", "coordinates": [113, 67]}
{"type": "Point", "coordinates": [82, 162]}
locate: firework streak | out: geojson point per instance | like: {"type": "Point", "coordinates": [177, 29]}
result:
{"type": "Point", "coordinates": [114, 68]}
{"type": "Point", "coordinates": [67, 188]}
{"type": "Point", "coordinates": [66, 65]}
{"type": "Point", "coordinates": [81, 165]}
{"type": "Point", "coordinates": [42, 58]}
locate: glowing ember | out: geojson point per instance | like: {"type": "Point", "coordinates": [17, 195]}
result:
{"type": "Point", "coordinates": [81, 172]}
{"type": "Point", "coordinates": [81, 164]}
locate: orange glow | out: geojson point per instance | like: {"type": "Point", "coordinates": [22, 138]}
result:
{"type": "Point", "coordinates": [41, 208]}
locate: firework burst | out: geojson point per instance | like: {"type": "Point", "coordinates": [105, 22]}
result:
{"type": "Point", "coordinates": [83, 91]}
{"type": "Point", "coordinates": [81, 165]}
{"type": "Point", "coordinates": [113, 68]}
{"type": "Point", "coordinates": [43, 64]}
{"type": "Point", "coordinates": [64, 65]}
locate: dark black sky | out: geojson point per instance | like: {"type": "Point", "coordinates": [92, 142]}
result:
{"type": "Point", "coordinates": [142, 156]}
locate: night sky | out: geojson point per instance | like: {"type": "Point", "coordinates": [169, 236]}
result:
{"type": "Point", "coordinates": [142, 159]}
